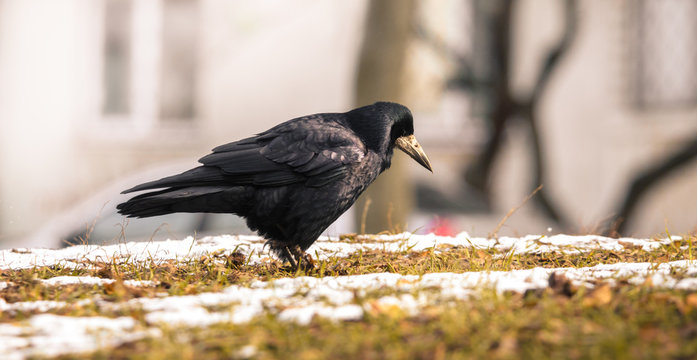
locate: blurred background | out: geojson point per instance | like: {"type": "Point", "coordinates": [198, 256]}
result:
{"type": "Point", "coordinates": [595, 100]}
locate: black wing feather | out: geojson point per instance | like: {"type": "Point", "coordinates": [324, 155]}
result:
{"type": "Point", "coordinates": [310, 150]}
{"type": "Point", "coordinates": [199, 176]}
{"type": "Point", "coordinates": [313, 150]}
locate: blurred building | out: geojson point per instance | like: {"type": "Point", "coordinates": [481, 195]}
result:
{"type": "Point", "coordinates": [94, 90]}
{"type": "Point", "coordinates": [623, 98]}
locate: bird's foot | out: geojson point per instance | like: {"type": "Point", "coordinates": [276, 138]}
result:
{"type": "Point", "coordinates": [306, 262]}
{"type": "Point", "coordinates": [290, 257]}
{"type": "Point", "coordinates": [299, 259]}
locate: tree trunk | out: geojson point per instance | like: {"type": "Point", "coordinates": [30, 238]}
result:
{"type": "Point", "coordinates": [380, 78]}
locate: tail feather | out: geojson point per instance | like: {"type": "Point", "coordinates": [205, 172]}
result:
{"type": "Point", "coordinates": [215, 199]}
{"type": "Point", "coordinates": [200, 176]}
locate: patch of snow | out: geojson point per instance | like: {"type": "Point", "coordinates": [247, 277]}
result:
{"type": "Point", "coordinates": [53, 335]}
{"type": "Point", "coordinates": [246, 352]}
{"type": "Point", "coordinates": [303, 315]}
{"type": "Point", "coordinates": [289, 296]}
{"type": "Point", "coordinates": [300, 299]}
{"type": "Point", "coordinates": [92, 280]}
{"type": "Point", "coordinates": [41, 306]}
{"type": "Point", "coordinates": [190, 248]}
{"type": "Point", "coordinates": [82, 255]}
{"type": "Point", "coordinates": [295, 299]}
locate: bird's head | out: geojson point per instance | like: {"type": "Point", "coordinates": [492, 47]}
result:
{"type": "Point", "coordinates": [384, 126]}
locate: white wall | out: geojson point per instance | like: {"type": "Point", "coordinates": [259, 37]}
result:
{"type": "Point", "coordinates": [261, 62]}
{"type": "Point", "coordinates": [43, 83]}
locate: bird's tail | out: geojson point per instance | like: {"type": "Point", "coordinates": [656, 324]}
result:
{"type": "Point", "coordinates": [199, 176]}
{"type": "Point", "coordinates": [218, 199]}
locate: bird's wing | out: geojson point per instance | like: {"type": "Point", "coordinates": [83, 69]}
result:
{"type": "Point", "coordinates": [312, 151]}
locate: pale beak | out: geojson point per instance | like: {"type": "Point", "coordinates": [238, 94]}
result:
{"type": "Point", "coordinates": [409, 145]}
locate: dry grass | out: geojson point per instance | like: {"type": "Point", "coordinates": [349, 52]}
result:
{"type": "Point", "coordinates": [561, 321]}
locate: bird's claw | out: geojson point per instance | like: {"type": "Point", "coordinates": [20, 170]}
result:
{"type": "Point", "coordinates": [306, 263]}
{"type": "Point", "coordinates": [299, 259]}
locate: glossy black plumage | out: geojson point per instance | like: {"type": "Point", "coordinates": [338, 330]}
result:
{"type": "Point", "coordinates": [291, 181]}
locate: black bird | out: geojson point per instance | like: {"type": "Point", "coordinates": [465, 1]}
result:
{"type": "Point", "coordinates": [291, 181]}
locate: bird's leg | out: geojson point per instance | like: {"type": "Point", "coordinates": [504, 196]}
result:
{"type": "Point", "coordinates": [304, 259]}
{"type": "Point", "coordinates": [290, 256]}
{"type": "Point", "coordinates": [287, 253]}
{"type": "Point", "coordinates": [295, 255]}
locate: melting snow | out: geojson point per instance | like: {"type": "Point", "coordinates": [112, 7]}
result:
{"type": "Point", "coordinates": [189, 248]}
{"type": "Point", "coordinates": [52, 335]}
{"type": "Point", "coordinates": [92, 280]}
{"type": "Point", "coordinates": [293, 299]}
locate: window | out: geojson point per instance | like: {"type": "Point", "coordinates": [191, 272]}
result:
{"type": "Point", "coordinates": [663, 53]}
{"type": "Point", "coordinates": [117, 57]}
{"type": "Point", "coordinates": [150, 62]}
{"type": "Point", "coordinates": [178, 71]}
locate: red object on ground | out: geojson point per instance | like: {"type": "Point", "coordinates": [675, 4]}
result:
{"type": "Point", "coordinates": [442, 227]}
